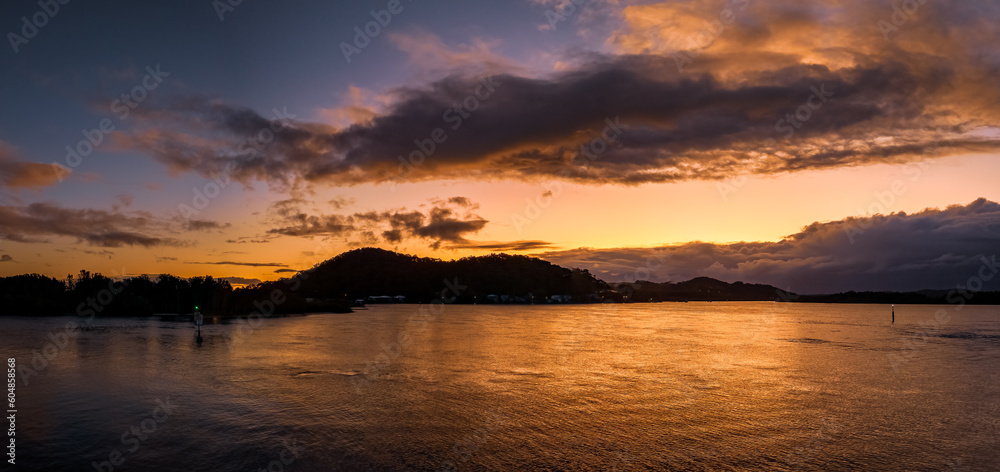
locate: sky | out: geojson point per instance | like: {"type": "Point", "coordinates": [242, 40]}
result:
{"type": "Point", "coordinates": [818, 146]}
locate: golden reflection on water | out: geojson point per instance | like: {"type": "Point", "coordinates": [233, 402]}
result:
{"type": "Point", "coordinates": [684, 386]}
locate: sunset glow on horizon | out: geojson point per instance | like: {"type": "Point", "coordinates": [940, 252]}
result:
{"type": "Point", "coordinates": [594, 135]}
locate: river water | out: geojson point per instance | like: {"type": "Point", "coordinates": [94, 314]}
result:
{"type": "Point", "coordinates": [670, 386]}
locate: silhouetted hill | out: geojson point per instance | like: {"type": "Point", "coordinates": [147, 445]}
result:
{"type": "Point", "coordinates": [371, 271]}
{"type": "Point", "coordinates": [701, 289]}
{"type": "Point", "coordinates": [376, 272]}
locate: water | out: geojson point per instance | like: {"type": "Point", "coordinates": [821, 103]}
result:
{"type": "Point", "coordinates": [672, 386]}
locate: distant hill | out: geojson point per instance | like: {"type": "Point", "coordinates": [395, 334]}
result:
{"type": "Point", "coordinates": [701, 289]}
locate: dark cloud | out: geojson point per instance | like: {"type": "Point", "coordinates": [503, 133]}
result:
{"type": "Point", "coordinates": [246, 264]}
{"type": "Point", "coordinates": [247, 240]}
{"type": "Point", "coordinates": [302, 224]}
{"type": "Point", "coordinates": [285, 271]}
{"type": "Point", "coordinates": [204, 225]}
{"type": "Point", "coordinates": [510, 246]}
{"type": "Point", "coordinates": [932, 249]}
{"type": "Point", "coordinates": [37, 221]}
{"type": "Point", "coordinates": [6, 258]}
{"type": "Point", "coordinates": [444, 225]}
{"type": "Point", "coordinates": [723, 117]}
{"type": "Point", "coordinates": [446, 222]}
{"type": "Point", "coordinates": [463, 202]}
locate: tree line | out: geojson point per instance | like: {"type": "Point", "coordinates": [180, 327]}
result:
{"type": "Point", "coordinates": [87, 294]}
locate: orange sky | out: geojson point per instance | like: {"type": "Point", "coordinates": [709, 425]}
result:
{"type": "Point", "coordinates": [720, 136]}
{"type": "Point", "coordinates": [761, 209]}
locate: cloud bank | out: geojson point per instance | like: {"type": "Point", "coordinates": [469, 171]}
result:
{"type": "Point", "coordinates": [445, 223]}
{"type": "Point", "coordinates": [701, 91]}
{"type": "Point", "coordinates": [38, 222]}
{"type": "Point", "coordinates": [932, 249]}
